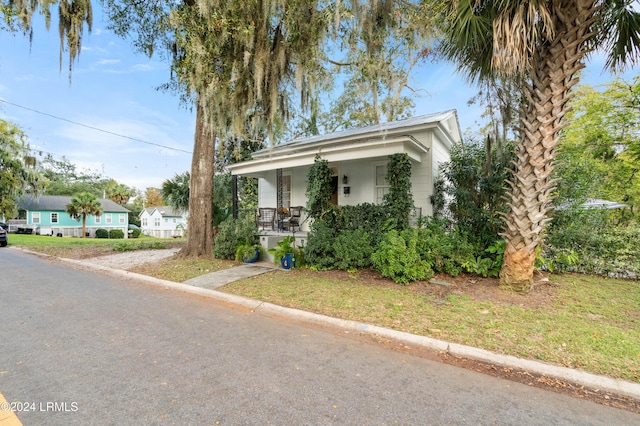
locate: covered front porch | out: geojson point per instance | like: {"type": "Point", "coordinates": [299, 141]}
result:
{"type": "Point", "coordinates": [270, 239]}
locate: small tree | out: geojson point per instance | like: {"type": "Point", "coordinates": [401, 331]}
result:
{"type": "Point", "coordinates": [176, 191]}
{"type": "Point", "coordinates": [18, 173]}
{"type": "Point", "coordinates": [118, 192]}
{"type": "Point", "coordinates": [83, 205]}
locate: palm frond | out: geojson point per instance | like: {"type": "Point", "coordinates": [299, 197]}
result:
{"type": "Point", "coordinates": [621, 29]}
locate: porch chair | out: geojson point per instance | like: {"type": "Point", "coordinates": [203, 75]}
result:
{"type": "Point", "coordinates": [266, 217]}
{"type": "Point", "coordinates": [293, 221]}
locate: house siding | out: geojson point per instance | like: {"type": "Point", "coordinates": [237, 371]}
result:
{"type": "Point", "coordinates": [46, 206]}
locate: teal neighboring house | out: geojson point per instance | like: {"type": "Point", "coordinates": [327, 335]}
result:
{"type": "Point", "coordinates": [47, 215]}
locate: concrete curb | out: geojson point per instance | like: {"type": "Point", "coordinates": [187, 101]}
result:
{"type": "Point", "coordinates": [593, 381]}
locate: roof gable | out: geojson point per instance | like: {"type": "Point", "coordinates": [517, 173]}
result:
{"type": "Point", "coordinates": [164, 211]}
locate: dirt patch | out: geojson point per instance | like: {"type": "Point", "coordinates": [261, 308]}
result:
{"type": "Point", "coordinates": [90, 251]}
{"type": "Point", "coordinates": [548, 383]}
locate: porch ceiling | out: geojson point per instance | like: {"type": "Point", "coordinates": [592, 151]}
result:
{"type": "Point", "coordinates": [332, 153]}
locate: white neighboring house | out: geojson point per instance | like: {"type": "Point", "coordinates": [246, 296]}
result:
{"type": "Point", "coordinates": [163, 222]}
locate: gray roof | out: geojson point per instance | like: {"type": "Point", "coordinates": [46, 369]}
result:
{"type": "Point", "coordinates": [167, 211]}
{"type": "Point", "coordinates": [420, 120]}
{"type": "Point", "coordinates": [59, 203]}
{"type": "Point", "coordinates": [595, 203]}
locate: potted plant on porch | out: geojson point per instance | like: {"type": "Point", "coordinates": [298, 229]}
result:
{"type": "Point", "coordinates": [284, 253]}
{"type": "Point", "coordinates": [248, 253]}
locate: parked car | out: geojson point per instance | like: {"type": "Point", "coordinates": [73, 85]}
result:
{"type": "Point", "coordinates": [4, 226]}
{"type": "Point", "coordinates": [4, 237]}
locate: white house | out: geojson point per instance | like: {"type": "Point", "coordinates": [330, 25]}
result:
{"type": "Point", "coordinates": [162, 222]}
{"type": "Point", "coordinates": [358, 159]}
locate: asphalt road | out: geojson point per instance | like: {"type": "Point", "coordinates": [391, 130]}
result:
{"type": "Point", "coordinates": [79, 347]}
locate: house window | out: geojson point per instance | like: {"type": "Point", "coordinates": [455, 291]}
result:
{"type": "Point", "coordinates": [35, 217]}
{"type": "Point", "coordinates": [382, 186]}
{"type": "Point", "coordinates": [54, 218]}
{"type": "Point", "coordinates": [286, 190]}
{"type": "Point", "coordinates": [121, 219]}
{"type": "Point", "coordinates": [174, 220]}
{"type": "Point", "coordinates": [166, 220]}
{"type": "Point", "coordinates": [98, 218]}
{"type": "Point", "coordinates": [107, 219]}
{"type": "Point", "coordinates": [156, 222]}
{"type": "Point", "coordinates": [144, 221]}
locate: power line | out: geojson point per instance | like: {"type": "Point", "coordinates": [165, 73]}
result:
{"type": "Point", "coordinates": [94, 128]}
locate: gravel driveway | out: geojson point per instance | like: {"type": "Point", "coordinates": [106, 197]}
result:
{"type": "Point", "coordinates": [130, 259]}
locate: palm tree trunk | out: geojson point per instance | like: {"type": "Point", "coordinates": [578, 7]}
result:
{"type": "Point", "coordinates": [553, 74]}
{"type": "Point", "coordinates": [84, 225]}
{"type": "Point", "coordinates": [200, 225]}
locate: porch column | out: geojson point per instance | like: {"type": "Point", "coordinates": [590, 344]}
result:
{"type": "Point", "coordinates": [234, 196]}
{"type": "Point", "coordinates": [279, 188]}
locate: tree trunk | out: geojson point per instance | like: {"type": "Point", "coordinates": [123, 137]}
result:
{"type": "Point", "coordinates": [200, 225]}
{"type": "Point", "coordinates": [84, 225]}
{"type": "Point", "coordinates": [553, 74]}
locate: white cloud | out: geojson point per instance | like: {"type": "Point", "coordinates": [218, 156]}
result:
{"type": "Point", "coordinates": [108, 61]}
{"type": "Point", "coordinates": [142, 67]}
{"type": "Point", "coordinates": [25, 77]}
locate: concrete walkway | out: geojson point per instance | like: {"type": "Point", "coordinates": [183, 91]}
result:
{"type": "Point", "coordinates": [219, 278]}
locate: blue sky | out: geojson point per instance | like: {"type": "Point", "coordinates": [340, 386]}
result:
{"type": "Point", "coordinates": [114, 90]}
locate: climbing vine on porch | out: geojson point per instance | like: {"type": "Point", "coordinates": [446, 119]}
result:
{"type": "Point", "coordinates": [319, 188]}
{"type": "Point", "coordinates": [399, 200]}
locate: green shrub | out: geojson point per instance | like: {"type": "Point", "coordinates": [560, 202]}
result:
{"type": "Point", "coordinates": [476, 189]}
{"type": "Point", "coordinates": [489, 263]}
{"type": "Point", "coordinates": [447, 251]}
{"type": "Point", "coordinates": [319, 251]}
{"type": "Point", "coordinates": [398, 258]}
{"type": "Point", "coordinates": [234, 233]}
{"type": "Point", "coordinates": [116, 234]}
{"type": "Point", "coordinates": [592, 242]}
{"type": "Point", "coordinates": [372, 218]}
{"type": "Point", "coordinates": [352, 249]}
{"type": "Point", "coordinates": [145, 245]}
{"type": "Point", "coordinates": [102, 233]}
{"type": "Point", "coordinates": [246, 252]}
{"type": "Point", "coordinates": [135, 233]}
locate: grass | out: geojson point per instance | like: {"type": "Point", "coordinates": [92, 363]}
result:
{"type": "Point", "coordinates": [180, 270]}
{"type": "Point", "coordinates": [87, 247]}
{"type": "Point", "coordinates": [587, 322]}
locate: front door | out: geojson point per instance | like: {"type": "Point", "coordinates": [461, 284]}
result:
{"type": "Point", "coordinates": [334, 187]}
